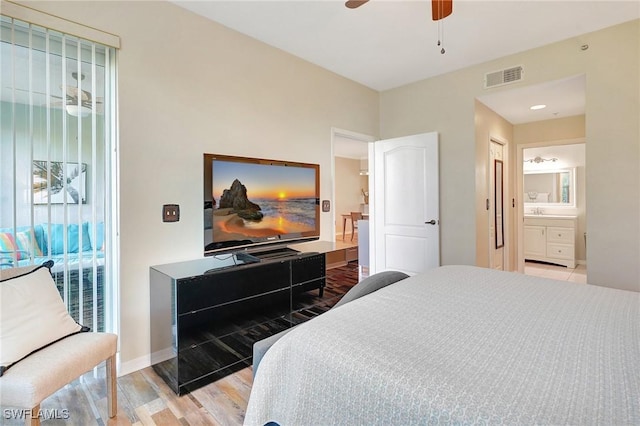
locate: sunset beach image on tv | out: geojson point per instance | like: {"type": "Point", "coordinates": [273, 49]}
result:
{"type": "Point", "coordinates": [261, 202]}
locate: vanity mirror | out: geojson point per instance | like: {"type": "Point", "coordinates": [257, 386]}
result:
{"type": "Point", "coordinates": [550, 187]}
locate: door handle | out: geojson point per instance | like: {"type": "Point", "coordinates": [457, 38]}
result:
{"type": "Point", "coordinates": [431, 222]}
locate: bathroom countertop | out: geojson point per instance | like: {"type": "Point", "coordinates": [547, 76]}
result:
{"type": "Point", "coordinates": [550, 216]}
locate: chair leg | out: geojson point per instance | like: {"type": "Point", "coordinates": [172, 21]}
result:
{"type": "Point", "coordinates": [344, 226]}
{"type": "Point", "coordinates": [33, 419]}
{"type": "Point", "coordinates": [112, 391]}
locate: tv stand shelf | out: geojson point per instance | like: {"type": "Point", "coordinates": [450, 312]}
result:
{"type": "Point", "coordinates": [207, 313]}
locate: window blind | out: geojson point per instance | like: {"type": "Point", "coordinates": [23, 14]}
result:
{"type": "Point", "coordinates": [57, 104]}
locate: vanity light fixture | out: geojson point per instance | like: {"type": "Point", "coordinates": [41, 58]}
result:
{"type": "Point", "coordinates": [539, 160]}
{"type": "Point", "coordinates": [537, 107]}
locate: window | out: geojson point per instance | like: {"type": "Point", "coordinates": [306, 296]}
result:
{"type": "Point", "coordinates": [57, 163]}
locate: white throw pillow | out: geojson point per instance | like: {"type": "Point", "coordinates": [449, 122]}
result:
{"type": "Point", "coordinates": [32, 316]}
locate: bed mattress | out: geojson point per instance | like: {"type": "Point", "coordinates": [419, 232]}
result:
{"type": "Point", "coordinates": [463, 345]}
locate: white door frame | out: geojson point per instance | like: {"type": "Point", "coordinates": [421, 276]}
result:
{"type": "Point", "coordinates": [507, 202]}
{"type": "Point", "coordinates": [335, 133]}
{"type": "Point", "coordinates": [520, 190]}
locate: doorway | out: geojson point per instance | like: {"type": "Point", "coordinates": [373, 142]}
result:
{"type": "Point", "coordinates": [350, 172]}
{"type": "Point", "coordinates": [524, 115]}
{"type": "Point", "coordinates": [350, 176]}
{"type": "Point", "coordinates": [551, 179]}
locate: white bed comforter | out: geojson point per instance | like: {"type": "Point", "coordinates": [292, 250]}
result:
{"type": "Point", "coordinates": [460, 345]}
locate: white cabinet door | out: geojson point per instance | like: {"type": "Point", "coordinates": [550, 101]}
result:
{"type": "Point", "coordinates": [535, 241]}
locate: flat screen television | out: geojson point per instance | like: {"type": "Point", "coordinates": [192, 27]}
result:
{"type": "Point", "coordinates": [251, 202]}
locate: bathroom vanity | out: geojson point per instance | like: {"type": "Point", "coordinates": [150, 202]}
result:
{"type": "Point", "coordinates": [551, 238]}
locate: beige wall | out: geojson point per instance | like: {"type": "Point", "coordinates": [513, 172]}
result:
{"type": "Point", "coordinates": [446, 104]}
{"type": "Point", "coordinates": [613, 158]}
{"type": "Point", "coordinates": [550, 130]}
{"type": "Point", "coordinates": [189, 86]}
{"type": "Point", "coordinates": [489, 125]}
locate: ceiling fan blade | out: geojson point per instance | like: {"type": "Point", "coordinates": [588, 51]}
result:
{"type": "Point", "coordinates": [352, 4]}
{"type": "Point", "coordinates": [441, 9]}
{"type": "Point", "coordinates": [86, 96]}
{"type": "Point", "coordinates": [73, 92]}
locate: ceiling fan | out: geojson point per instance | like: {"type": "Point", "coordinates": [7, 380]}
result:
{"type": "Point", "coordinates": [439, 8]}
{"type": "Point", "coordinates": [79, 102]}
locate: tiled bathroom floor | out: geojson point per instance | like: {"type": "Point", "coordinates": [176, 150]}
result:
{"type": "Point", "coordinates": [578, 275]}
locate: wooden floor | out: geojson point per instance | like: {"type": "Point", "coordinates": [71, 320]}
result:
{"type": "Point", "coordinates": [144, 398]}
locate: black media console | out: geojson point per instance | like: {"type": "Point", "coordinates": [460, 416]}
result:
{"type": "Point", "coordinates": [207, 313]}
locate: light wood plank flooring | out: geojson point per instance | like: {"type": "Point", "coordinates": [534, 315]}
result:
{"type": "Point", "coordinates": [145, 399]}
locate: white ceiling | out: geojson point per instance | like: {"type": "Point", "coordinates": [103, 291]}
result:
{"type": "Point", "coordinates": [389, 43]}
{"type": "Point", "coordinates": [563, 98]}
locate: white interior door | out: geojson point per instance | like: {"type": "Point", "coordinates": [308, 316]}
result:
{"type": "Point", "coordinates": [404, 204]}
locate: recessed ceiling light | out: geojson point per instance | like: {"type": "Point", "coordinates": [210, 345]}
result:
{"type": "Point", "coordinates": [535, 107]}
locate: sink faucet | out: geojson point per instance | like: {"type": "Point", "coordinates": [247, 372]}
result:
{"type": "Point", "coordinates": [537, 210]}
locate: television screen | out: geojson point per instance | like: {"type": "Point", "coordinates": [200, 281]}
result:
{"type": "Point", "coordinates": [251, 201]}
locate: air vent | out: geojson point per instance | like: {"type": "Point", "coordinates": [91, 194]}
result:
{"type": "Point", "coordinates": [502, 77]}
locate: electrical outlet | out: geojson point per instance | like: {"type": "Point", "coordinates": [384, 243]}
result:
{"type": "Point", "coordinates": [170, 213]}
{"type": "Point", "coordinates": [326, 205]}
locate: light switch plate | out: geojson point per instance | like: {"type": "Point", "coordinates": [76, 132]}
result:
{"type": "Point", "coordinates": [170, 213]}
{"type": "Point", "coordinates": [326, 205]}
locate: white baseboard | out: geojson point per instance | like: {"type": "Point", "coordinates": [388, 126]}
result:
{"type": "Point", "coordinates": [136, 364]}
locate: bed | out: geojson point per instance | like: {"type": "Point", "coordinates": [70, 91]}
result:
{"type": "Point", "coordinates": [459, 345]}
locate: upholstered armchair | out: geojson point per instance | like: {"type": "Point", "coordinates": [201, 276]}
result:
{"type": "Point", "coordinates": [41, 348]}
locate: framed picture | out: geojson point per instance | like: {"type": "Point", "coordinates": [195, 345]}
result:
{"type": "Point", "coordinates": [499, 209]}
{"type": "Point", "coordinates": [49, 183]}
